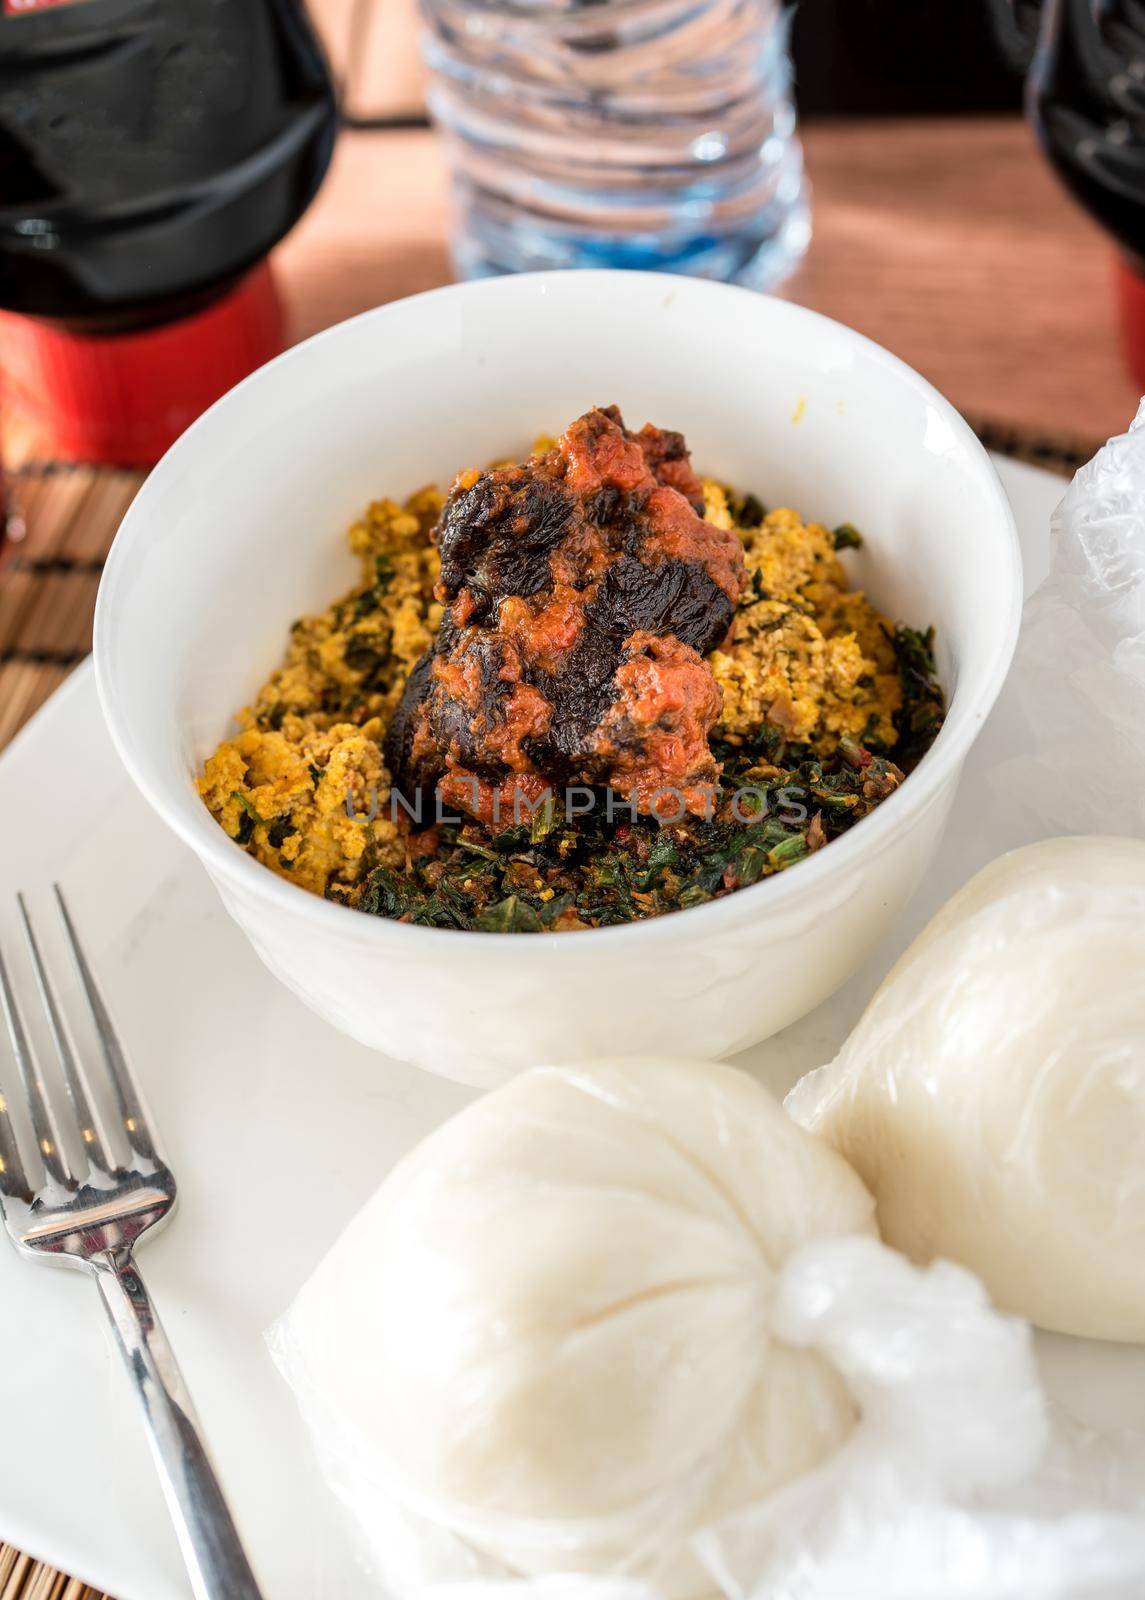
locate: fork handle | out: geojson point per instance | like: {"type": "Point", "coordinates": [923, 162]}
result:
{"type": "Point", "coordinates": [209, 1541]}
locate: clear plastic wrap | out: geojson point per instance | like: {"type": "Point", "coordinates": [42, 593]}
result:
{"type": "Point", "coordinates": [731, 1388]}
{"type": "Point", "coordinates": [1078, 678]}
{"type": "Point", "coordinates": [952, 1487]}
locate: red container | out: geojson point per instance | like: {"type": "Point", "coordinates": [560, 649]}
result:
{"type": "Point", "coordinates": [1130, 290]}
{"type": "Point", "coordinates": [122, 399]}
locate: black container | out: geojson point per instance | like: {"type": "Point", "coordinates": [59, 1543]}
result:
{"type": "Point", "coordinates": [1086, 100]}
{"type": "Point", "coordinates": [151, 151]}
{"type": "Point", "coordinates": [1085, 96]}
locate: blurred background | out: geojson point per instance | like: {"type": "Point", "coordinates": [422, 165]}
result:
{"type": "Point", "coordinates": [938, 224]}
{"type": "Point", "coordinates": [850, 56]}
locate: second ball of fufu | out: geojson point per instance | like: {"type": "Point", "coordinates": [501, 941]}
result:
{"type": "Point", "coordinates": [992, 1095]}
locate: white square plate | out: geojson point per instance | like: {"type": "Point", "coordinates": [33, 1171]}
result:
{"type": "Point", "coordinates": [278, 1129]}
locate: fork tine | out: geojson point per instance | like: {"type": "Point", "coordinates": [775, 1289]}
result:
{"type": "Point", "coordinates": [39, 1106]}
{"type": "Point", "coordinates": [13, 1179]}
{"type": "Point", "coordinates": [91, 1131]}
{"type": "Point", "coordinates": [127, 1098]}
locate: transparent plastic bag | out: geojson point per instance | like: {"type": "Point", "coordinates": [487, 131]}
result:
{"type": "Point", "coordinates": [940, 1492]}
{"type": "Point", "coordinates": [1078, 677]}
{"type": "Point", "coordinates": [934, 1496]}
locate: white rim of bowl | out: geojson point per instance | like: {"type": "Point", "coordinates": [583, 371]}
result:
{"type": "Point", "coordinates": [222, 856]}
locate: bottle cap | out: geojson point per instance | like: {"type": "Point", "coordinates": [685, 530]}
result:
{"type": "Point", "coordinates": [122, 399]}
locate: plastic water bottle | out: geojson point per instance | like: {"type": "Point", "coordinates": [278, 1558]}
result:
{"type": "Point", "coordinates": [654, 134]}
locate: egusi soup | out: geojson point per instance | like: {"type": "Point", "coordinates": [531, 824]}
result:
{"type": "Point", "coordinates": [586, 689]}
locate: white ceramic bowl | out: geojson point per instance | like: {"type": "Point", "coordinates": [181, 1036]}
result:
{"type": "Point", "coordinates": [241, 527]}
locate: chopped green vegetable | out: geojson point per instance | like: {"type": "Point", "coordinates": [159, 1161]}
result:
{"type": "Point", "coordinates": [747, 510]}
{"type": "Point", "coordinates": [248, 806]}
{"type": "Point", "coordinates": [272, 717]}
{"type": "Point", "coordinates": [544, 821]}
{"type": "Point", "coordinates": [847, 537]}
{"type": "Point", "coordinates": [755, 591]}
{"type": "Point", "coordinates": [924, 705]}
{"type": "Point", "coordinates": [584, 870]}
{"type": "Point", "coordinates": [365, 653]}
{"type": "Point", "coordinates": [511, 915]}
{"type": "Point", "coordinates": [279, 831]}
{"type": "Point", "coordinates": [370, 600]}
{"type": "Point", "coordinates": [248, 820]}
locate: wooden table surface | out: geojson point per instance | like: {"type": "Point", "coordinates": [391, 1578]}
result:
{"type": "Point", "coordinates": [948, 241]}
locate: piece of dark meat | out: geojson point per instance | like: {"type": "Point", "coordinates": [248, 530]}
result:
{"type": "Point", "coordinates": [582, 592]}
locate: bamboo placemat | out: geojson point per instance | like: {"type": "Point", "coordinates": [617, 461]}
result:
{"type": "Point", "coordinates": [62, 524]}
{"type": "Point", "coordinates": [64, 519]}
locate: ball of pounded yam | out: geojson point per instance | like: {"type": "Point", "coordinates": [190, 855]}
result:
{"type": "Point", "coordinates": [992, 1096]}
{"type": "Point", "coordinates": [548, 1332]}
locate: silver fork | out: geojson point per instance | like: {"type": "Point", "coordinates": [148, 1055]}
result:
{"type": "Point", "coordinates": [90, 1213]}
